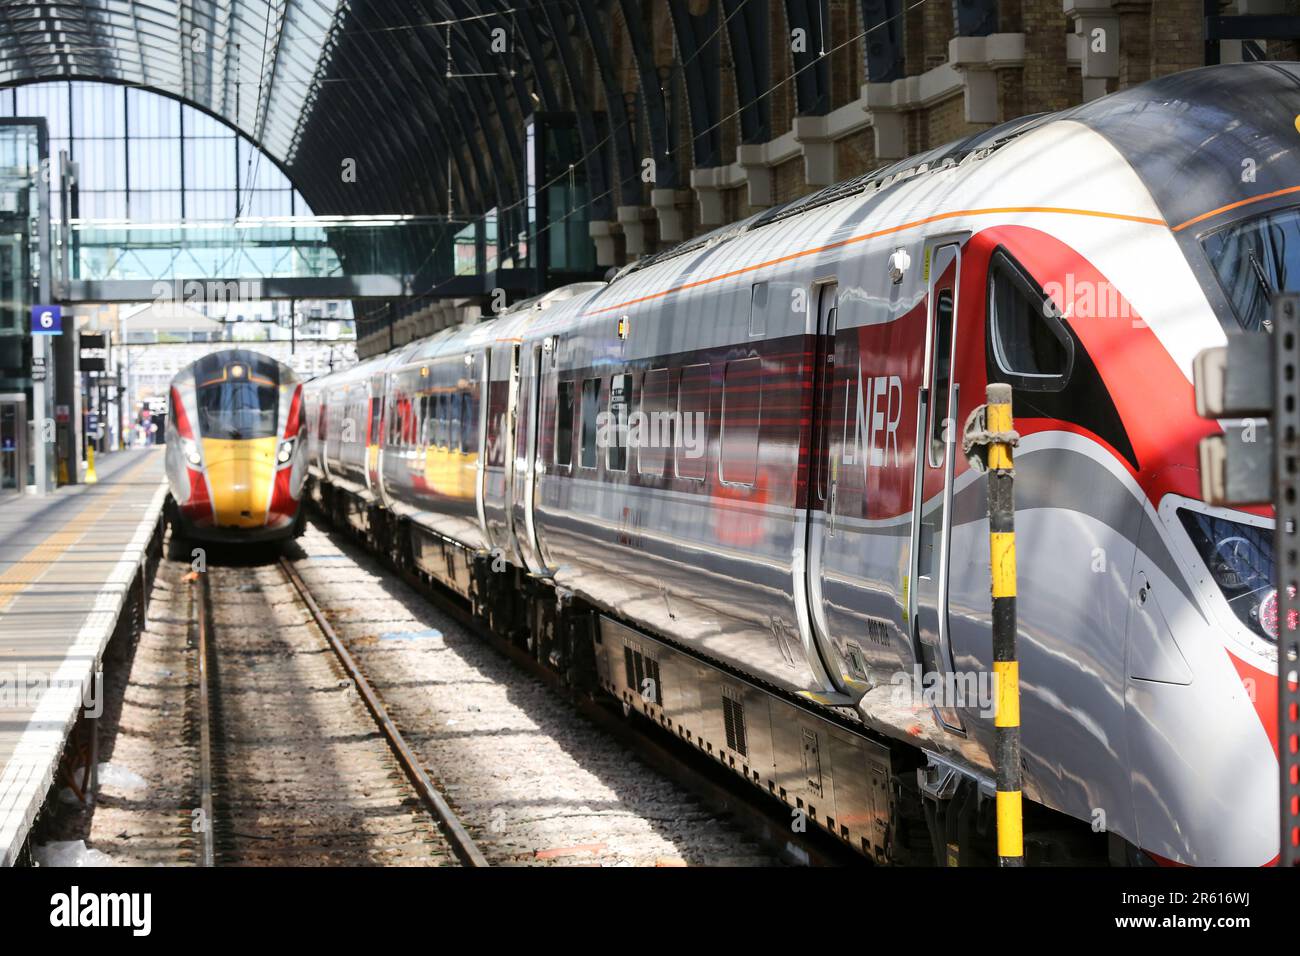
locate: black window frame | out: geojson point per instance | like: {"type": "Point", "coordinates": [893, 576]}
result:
{"type": "Point", "coordinates": [668, 400]}
{"type": "Point", "coordinates": [560, 422]}
{"type": "Point", "coordinates": [937, 448]}
{"type": "Point", "coordinates": [679, 446]}
{"type": "Point", "coordinates": [589, 427]}
{"type": "Point", "coordinates": [468, 424]}
{"type": "Point", "coordinates": [1051, 317]}
{"type": "Point", "coordinates": [616, 449]}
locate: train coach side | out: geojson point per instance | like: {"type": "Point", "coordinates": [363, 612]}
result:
{"type": "Point", "coordinates": [799, 536]}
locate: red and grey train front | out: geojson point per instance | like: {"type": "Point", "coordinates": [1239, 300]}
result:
{"type": "Point", "coordinates": [236, 450]}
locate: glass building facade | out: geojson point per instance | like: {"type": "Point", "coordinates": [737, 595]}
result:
{"type": "Point", "coordinates": [150, 158]}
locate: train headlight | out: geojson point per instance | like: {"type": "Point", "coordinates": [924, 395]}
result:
{"type": "Point", "coordinates": [191, 449]}
{"type": "Point", "coordinates": [285, 452]}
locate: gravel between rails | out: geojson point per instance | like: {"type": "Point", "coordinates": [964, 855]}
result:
{"type": "Point", "coordinates": [534, 782]}
{"type": "Point", "coordinates": [302, 775]}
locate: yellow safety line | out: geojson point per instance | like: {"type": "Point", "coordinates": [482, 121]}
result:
{"type": "Point", "coordinates": [32, 565]}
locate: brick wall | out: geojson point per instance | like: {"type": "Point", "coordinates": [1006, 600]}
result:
{"type": "Point", "coordinates": [1155, 38]}
{"type": "Point", "coordinates": [946, 121]}
{"type": "Point", "coordinates": [1134, 42]}
{"type": "Point", "coordinates": [788, 181]}
{"type": "Point", "coordinates": [846, 57]}
{"type": "Point", "coordinates": [782, 95]}
{"type": "Point", "coordinates": [1045, 84]}
{"type": "Point", "coordinates": [1177, 36]}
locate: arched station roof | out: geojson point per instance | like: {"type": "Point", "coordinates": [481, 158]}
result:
{"type": "Point", "coordinates": [417, 91]}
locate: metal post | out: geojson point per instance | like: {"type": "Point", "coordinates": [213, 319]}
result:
{"type": "Point", "coordinates": [1210, 15]}
{"type": "Point", "coordinates": [1006, 667]}
{"type": "Point", "coordinates": [125, 406]}
{"type": "Point", "coordinates": [43, 390]}
{"type": "Point", "coordinates": [1285, 428]}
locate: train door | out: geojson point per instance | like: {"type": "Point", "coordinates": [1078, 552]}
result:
{"type": "Point", "coordinates": [480, 458]}
{"type": "Point", "coordinates": [510, 438]}
{"type": "Point", "coordinates": [820, 517]}
{"type": "Point", "coordinates": [325, 416]}
{"type": "Point", "coordinates": [936, 451]}
{"type": "Point", "coordinates": [375, 437]}
{"type": "Point", "coordinates": [527, 430]}
{"type": "Point", "coordinates": [501, 397]}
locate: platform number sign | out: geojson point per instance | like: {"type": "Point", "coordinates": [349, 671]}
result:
{"type": "Point", "coordinates": [47, 320]}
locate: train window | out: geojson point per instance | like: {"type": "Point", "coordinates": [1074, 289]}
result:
{"type": "Point", "coordinates": [941, 374]}
{"type": "Point", "coordinates": [376, 419]}
{"type": "Point", "coordinates": [234, 408]}
{"type": "Point", "coordinates": [1029, 341]}
{"type": "Point", "coordinates": [590, 413]}
{"type": "Point", "coordinates": [657, 431]}
{"type": "Point", "coordinates": [1255, 261]}
{"type": "Point", "coordinates": [691, 441]}
{"type": "Point", "coordinates": [620, 403]}
{"type": "Point", "coordinates": [742, 394]}
{"type": "Point", "coordinates": [454, 431]}
{"type": "Point", "coordinates": [564, 424]}
{"type": "Point", "coordinates": [758, 309]}
{"type": "Point", "coordinates": [468, 427]}
{"type": "Point", "coordinates": [442, 421]}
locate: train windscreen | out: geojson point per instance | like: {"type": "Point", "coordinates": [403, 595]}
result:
{"type": "Point", "coordinates": [238, 399]}
{"type": "Point", "coordinates": [1256, 260]}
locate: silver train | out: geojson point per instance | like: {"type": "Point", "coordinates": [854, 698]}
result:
{"type": "Point", "coordinates": [727, 487]}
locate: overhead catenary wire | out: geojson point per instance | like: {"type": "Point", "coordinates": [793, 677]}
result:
{"type": "Point", "coordinates": [432, 292]}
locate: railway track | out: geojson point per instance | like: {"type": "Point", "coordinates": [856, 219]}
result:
{"type": "Point", "coordinates": [742, 828]}
{"type": "Point", "coordinates": [321, 711]}
{"type": "Point", "coordinates": [299, 761]}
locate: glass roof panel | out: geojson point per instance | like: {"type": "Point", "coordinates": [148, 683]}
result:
{"type": "Point", "coordinates": [256, 63]}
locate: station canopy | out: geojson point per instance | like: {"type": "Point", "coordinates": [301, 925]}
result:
{"type": "Point", "coordinates": [396, 87]}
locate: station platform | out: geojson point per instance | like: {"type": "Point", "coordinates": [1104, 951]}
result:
{"type": "Point", "coordinates": [66, 564]}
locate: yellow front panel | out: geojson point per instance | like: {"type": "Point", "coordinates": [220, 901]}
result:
{"type": "Point", "coordinates": [241, 474]}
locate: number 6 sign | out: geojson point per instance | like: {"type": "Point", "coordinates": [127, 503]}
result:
{"type": "Point", "coordinates": [47, 320]}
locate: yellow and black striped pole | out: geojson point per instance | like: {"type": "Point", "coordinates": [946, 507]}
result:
{"type": "Point", "coordinates": [1006, 668]}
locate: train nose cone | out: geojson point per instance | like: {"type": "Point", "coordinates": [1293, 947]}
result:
{"type": "Point", "coordinates": [241, 474]}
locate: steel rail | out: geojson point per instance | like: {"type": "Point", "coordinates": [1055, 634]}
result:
{"type": "Point", "coordinates": [202, 600]}
{"type": "Point", "coordinates": [462, 844]}
{"type": "Point", "coordinates": [759, 815]}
